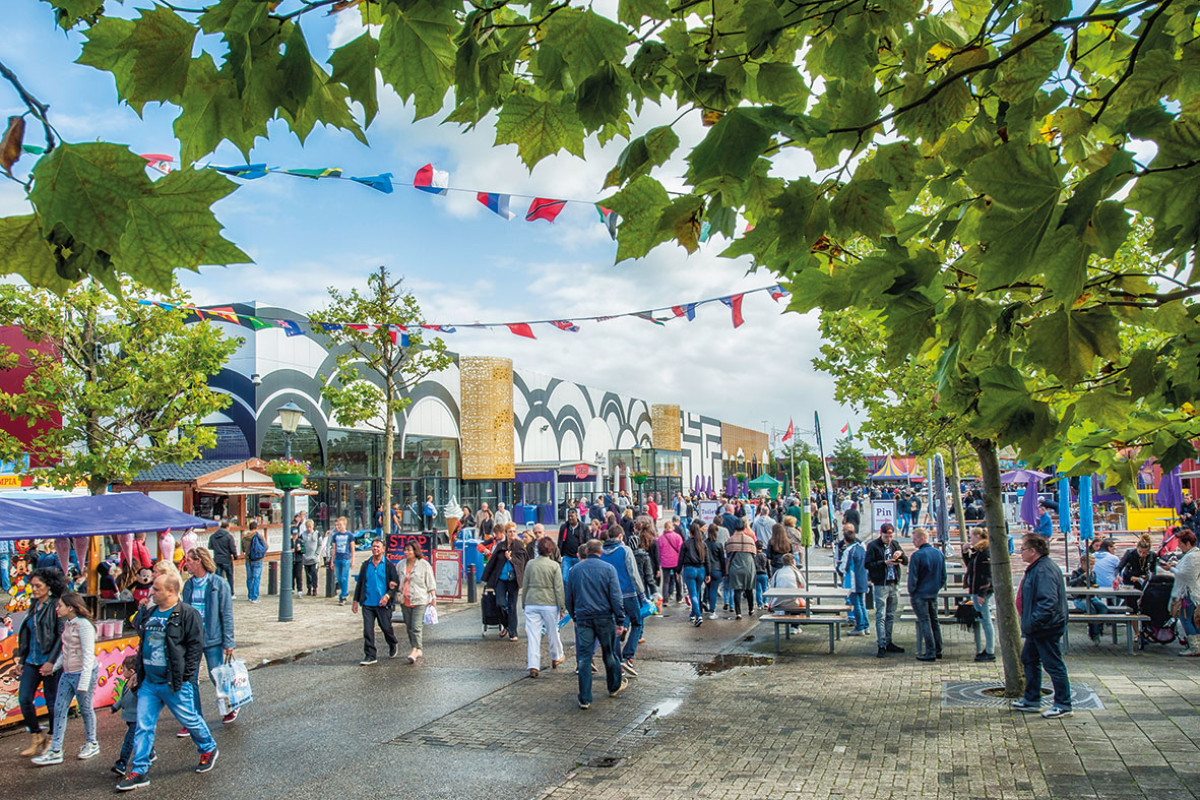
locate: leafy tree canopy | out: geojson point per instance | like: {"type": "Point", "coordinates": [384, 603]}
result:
{"type": "Point", "coordinates": [114, 387]}
{"type": "Point", "coordinates": [848, 462]}
{"type": "Point", "coordinates": [976, 168]}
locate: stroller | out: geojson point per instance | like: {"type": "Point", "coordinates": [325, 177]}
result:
{"type": "Point", "coordinates": [1155, 603]}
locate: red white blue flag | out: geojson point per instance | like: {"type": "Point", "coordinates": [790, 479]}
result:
{"type": "Point", "coordinates": [735, 304]}
{"type": "Point", "coordinates": [431, 180]}
{"type": "Point", "coordinates": [565, 325]}
{"type": "Point", "coordinates": [496, 202]}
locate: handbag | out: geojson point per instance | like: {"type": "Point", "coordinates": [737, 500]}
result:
{"type": "Point", "coordinates": [431, 615]}
{"type": "Point", "coordinates": [966, 614]}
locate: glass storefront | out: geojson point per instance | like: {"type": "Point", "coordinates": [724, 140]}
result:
{"type": "Point", "coordinates": [664, 468]}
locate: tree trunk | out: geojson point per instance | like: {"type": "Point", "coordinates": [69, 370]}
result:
{"type": "Point", "coordinates": [389, 441]}
{"type": "Point", "coordinates": [1008, 629]}
{"type": "Point", "coordinates": [956, 491]}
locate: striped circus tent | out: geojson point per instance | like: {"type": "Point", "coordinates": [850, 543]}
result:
{"type": "Point", "coordinates": [890, 471]}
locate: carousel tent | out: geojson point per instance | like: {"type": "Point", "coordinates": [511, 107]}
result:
{"type": "Point", "coordinates": [890, 471]}
{"type": "Point", "coordinates": [100, 515]}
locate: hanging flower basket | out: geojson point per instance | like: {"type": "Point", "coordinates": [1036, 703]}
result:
{"type": "Point", "coordinates": [639, 477]}
{"type": "Point", "coordinates": [287, 473]}
{"type": "Point", "coordinates": [741, 476]}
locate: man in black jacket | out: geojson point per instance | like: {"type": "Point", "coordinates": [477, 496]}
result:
{"type": "Point", "coordinates": [571, 535]}
{"type": "Point", "coordinates": [223, 550]}
{"type": "Point", "coordinates": [883, 561]}
{"type": "Point", "coordinates": [1043, 607]}
{"type": "Point", "coordinates": [168, 663]}
{"type": "Point", "coordinates": [375, 591]}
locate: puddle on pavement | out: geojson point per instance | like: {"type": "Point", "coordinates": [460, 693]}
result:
{"type": "Point", "coordinates": [728, 661]}
{"type": "Point", "coordinates": [667, 707]}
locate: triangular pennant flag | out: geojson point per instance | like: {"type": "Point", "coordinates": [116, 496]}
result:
{"type": "Point", "coordinates": [330, 326]}
{"type": "Point", "coordinates": [256, 323]}
{"type": "Point", "coordinates": [521, 329]}
{"type": "Point", "coordinates": [777, 292]}
{"type": "Point", "coordinates": [496, 202]}
{"type": "Point", "coordinates": [431, 180]}
{"type": "Point", "coordinates": [735, 303]}
{"type": "Point", "coordinates": [158, 161]}
{"type": "Point", "coordinates": [326, 172]}
{"type": "Point", "coordinates": [646, 315]}
{"type": "Point", "coordinates": [705, 231]}
{"type": "Point", "coordinates": [290, 326]}
{"type": "Point", "coordinates": [33, 149]}
{"type": "Point", "coordinates": [380, 183]}
{"type": "Point", "coordinates": [544, 208]}
{"type": "Point", "coordinates": [246, 172]}
{"type": "Point", "coordinates": [790, 431]}
{"type": "Point", "coordinates": [610, 220]}
{"type": "Point", "coordinates": [565, 325]}
{"type": "Point", "coordinates": [845, 428]}
{"type": "Point", "coordinates": [366, 330]}
{"type": "Point", "coordinates": [226, 313]}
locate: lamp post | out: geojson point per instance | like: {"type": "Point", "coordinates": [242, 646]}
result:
{"type": "Point", "coordinates": [637, 467]}
{"type": "Point", "coordinates": [289, 419]}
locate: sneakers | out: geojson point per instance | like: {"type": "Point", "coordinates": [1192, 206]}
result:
{"type": "Point", "coordinates": [697, 622]}
{"type": "Point", "coordinates": [119, 768]}
{"type": "Point", "coordinates": [627, 666]}
{"type": "Point", "coordinates": [624, 685]}
{"type": "Point", "coordinates": [534, 672]}
{"type": "Point", "coordinates": [1057, 712]}
{"type": "Point", "coordinates": [207, 760]}
{"type": "Point", "coordinates": [857, 633]}
{"type": "Point", "coordinates": [49, 757]}
{"type": "Point", "coordinates": [133, 781]}
{"type": "Point", "coordinates": [982, 657]}
{"type": "Point", "coordinates": [366, 662]}
{"type": "Point", "coordinates": [230, 717]}
{"type": "Point", "coordinates": [927, 659]}
{"type": "Point", "coordinates": [89, 750]}
{"type": "Point", "coordinates": [737, 616]}
{"type": "Point", "coordinates": [584, 706]}
{"type": "Point", "coordinates": [183, 734]}
{"type": "Point", "coordinates": [882, 653]}
{"type": "Point", "coordinates": [713, 615]}
{"type": "Point", "coordinates": [393, 651]}
{"type": "Point", "coordinates": [341, 601]}
{"type": "Point", "coordinates": [894, 648]}
{"type": "Point", "coordinates": [1025, 705]}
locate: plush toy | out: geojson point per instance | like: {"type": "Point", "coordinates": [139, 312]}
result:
{"type": "Point", "coordinates": [142, 584]}
{"type": "Point", "coordinates": [21, 592]}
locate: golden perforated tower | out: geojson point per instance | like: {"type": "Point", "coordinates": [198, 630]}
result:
{"type": "Point", "coordinates": [486, 418]}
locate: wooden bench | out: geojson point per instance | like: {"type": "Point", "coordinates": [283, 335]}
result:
{"type": "Point", "coordinates": [832, 622]}
{"type": "Point", "coordinates": [943, 619]}
{"type": "Point", "coordinates": [1128, 620]}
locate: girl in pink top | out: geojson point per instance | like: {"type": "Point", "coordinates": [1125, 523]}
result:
{"type": "Point", "coordinates": [670, 544]}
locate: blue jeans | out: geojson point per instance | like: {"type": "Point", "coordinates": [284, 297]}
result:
{"type": "Point", "coordinates": [929, 630]}
{"type": "Point", "coordinates": [983, 604]}
{"type": "Point", "coordinates": [213, 657]}
{"type": "Point", "coordinates": [712, 591]}
{"type": "Point", "coordinates": [887, 600]}
{"type": "Point", "coordinates": [1039, 652]}
{"type": "Point", "coordinates": [693, 578]}
{"type": "Point", "coordinates": [253, 578]}
{"type": "Point", "coordinates": [761, 583]}
{"type": "Point", "coordinates": [1092, 605]}
{"type": "Point", "coordinates": [30, 678]}
{"type": "Point", "coordinates": [1185, 618]}
{"type": "Point", "coordinates": [506, 599]}
{"type": "Point", "coordinates": [567, 563]}
{"type": "Point", "coordinates": [589, 633]}
{"type": "Point", "coordinates": [633, 610]}
{"type": "Point", "coordinates": [858, 611]}
{"type": "Point", "coordinates": [74, 685]}
{"type": "Point", "coordinates": [151, 699]}
{"type": "Point", "coordinates": [4, 567]}
{"type": "Point", "coordinates": [904, 521]}
{"type": "Point", "coordinates": [341, 573]}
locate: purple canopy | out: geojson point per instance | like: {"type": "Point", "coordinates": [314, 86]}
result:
{"type": "Point", "coordinates": [1022, 476]}
{"type": "Point", "coordinates": [1170, 491]}
{"type": "Point", "coordinates": [731, 486]}
{"type": "Point", "coordinates": [696, 485]}
{"type": "Point", "coordinates": [1029, 503]}
{"type": "Point", "coordinates": [708, 490]}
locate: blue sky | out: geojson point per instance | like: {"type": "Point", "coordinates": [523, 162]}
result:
{"type": "Point", "coordinates": [463, 262]}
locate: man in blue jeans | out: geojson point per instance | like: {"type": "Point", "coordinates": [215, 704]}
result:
{"type": "Point", "coordinates": [341, 550]}
{"type": "Point", "coordinates": [1042, 604]}
{"type": "Point", "coordinates": [593, 599]}
{"type": "Point", "coordinates": [168, 661]}
{"type": "Point", "coordinates": [632, 591]}
{"type": "Point", "coordinates": [926, 577]}
{"type": "Point", "coordinates": [256, 551]}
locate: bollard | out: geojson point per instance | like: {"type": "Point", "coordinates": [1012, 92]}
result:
{"type": "Point", "coordinates": [273, 578]}
{"type": "Point", "coordinates": [329, 580]}
{"type": "Point", "coordinates": [470, 583]}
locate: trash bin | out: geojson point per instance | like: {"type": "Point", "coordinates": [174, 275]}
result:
{"type": "Point", "coordinates": [471, 555]}
{"type": "Point", "coordinates": [530, 514]}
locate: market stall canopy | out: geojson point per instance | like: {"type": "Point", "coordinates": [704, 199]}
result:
{"type": "Point", "coordinates": [1022, 476]}
{"type": "Point", "coordinates": [101, 515]}
{"type": "Point", "coordinates": [768, 483]}
{"type": "Point", "coordinates": [890, 471]}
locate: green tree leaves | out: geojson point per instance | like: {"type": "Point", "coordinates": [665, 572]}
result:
{"type": "Point", "coordinates": [539, 125]}
{"type": "Point", "coordinates": [416, 55]}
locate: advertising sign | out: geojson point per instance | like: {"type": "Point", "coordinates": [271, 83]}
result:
{"type": "Point", "coordinates": [447, 572]}
{"type": "Point", "coordinates": [582, 471]}
{"type": "Point", "coordinates": [884, 511]}
{"type": "Point", "coordinates": [708, 510]}
{"type": "Point", "coordinates": [397, 541]}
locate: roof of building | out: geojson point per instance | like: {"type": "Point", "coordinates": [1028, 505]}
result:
{"type": "Point", "coordinates": [187, 471]}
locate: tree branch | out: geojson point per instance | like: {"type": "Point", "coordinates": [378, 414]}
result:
{"type": "Point", "coordinates": [37, 108]}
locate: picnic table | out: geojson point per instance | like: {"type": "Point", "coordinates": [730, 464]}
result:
{"type": "Point", "coordinates": [833, 617]}
{"type": "Point", "coordinates": [1116, 618]}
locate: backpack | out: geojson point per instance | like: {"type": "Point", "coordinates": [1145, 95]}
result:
{"type": "Point", "coordinates": [258, 548]}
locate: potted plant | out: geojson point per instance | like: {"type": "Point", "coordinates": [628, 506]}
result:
{"type": "Point", "coordinates": [286, 473]}
{"type": "Point", "coordinates": [741, 476]}
{"type": "Point", "coordinates": [639, 476]}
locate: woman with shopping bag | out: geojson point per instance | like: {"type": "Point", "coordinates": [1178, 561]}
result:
{"type": "Point", "coordinates": [418, 589]}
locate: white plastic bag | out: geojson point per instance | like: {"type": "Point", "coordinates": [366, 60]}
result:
{"type": "Point", "coordinates": [431, 615]}
{"type": "Point", "coordinates": [233, 685]}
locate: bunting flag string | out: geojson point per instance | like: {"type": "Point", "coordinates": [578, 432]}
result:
{"type": "Point", "coordinates": [525, 329]}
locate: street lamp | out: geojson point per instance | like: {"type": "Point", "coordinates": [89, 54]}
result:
{"type": "Point", "coordinates": [289, 419]}
{"type": "Point", "coordinates": [637, 467]}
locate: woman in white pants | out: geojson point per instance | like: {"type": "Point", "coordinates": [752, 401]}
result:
{"type": "Point", "coordinates": [545, 604]}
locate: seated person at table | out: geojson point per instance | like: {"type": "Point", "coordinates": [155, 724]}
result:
{"type": "Point", "coordinates": [1139, 564]}
{"type": "Point", "coordinates": [787, 577]}
{"type": "Point", "coordinates": [1104, 573]}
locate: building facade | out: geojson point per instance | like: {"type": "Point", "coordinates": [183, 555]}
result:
{"type": "Point", "coordinates": [468, 433]}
